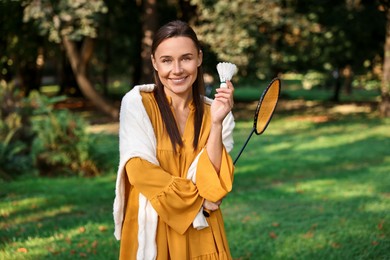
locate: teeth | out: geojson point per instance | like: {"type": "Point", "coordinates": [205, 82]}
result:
{"type": "Point", "coordinates": [178, 80]}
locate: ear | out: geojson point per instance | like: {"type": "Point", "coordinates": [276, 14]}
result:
{"type": "Point", "coordinates": [153, 62]}
{"type": "Point", "coordinates": [200, 58]}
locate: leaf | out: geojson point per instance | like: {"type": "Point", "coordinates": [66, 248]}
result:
{"type": "Point", "coordinates": [102, 228]}
{"type": "Point", "coordinates": [336, 245]}
{"type": "Point", "coordinates": [82, 229]}
{"type": "Point", "coordinates": [380, 224]}
{"type": "Point", "coordinates": [94, 244]}
{"type": "Point", "coordinates": [308, 235]}
{"type": "Point", "coordinates": [82, 254]}
{"type": "Point", "coordinates": [272, 235]}
{"type": "Point", "coordinates": [22, 250]}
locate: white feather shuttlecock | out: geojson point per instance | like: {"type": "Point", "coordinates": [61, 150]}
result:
{"type": "Point", "coordinates": [226, 70]}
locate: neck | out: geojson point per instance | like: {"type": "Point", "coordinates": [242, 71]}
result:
{"type": "Point", "coordinates": [179, 102]}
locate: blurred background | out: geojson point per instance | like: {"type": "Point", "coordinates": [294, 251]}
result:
{"type": "Point", "coordinates": [100, 49]}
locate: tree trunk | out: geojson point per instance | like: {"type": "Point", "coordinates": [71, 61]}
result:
{"type": "Point", "coordinates": [337, 87]}
{"type": "Point", "coordinates": [348, 79]}
{"type": "Point", "coordinates": [149, 27]}
{"type": "Point", "coordinates": [78, 62]}
{"type": "Point", "coordinates": [384, 105]}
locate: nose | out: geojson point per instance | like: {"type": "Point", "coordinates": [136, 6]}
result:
{"type": "Point", "coordinates": [177, 69]}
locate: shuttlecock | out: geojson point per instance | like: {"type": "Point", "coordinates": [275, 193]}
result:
{"type": "Point", "coordinates": [226, 70]}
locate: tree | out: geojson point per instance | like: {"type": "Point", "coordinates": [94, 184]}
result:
{"type": "Point", "coordinates": [150, 24]}
{"type": "Point", "coordinates": [384, 106]}
{"type": "Point", "coordinates": [345, 40]}
{"type": "Point", "coordinates": [21, 49]}
{"type": "Point", "coordinates": [260, 37]}
{"type": "Point", "coordinates": [70, 23]}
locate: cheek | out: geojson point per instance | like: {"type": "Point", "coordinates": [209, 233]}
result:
{"type": "Point", "coordinates": [162, 71]}
{"type": "Point", "coordinates": [192, 68]}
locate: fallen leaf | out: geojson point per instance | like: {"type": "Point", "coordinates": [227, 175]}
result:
{"type": "Point", "coordinates": [22, 250]}
{"type": "Point", "coordinates": [246, 219]}
{"type": "Point", "coordinates": [374, 243]}
{"type": "Point", "coordinates": [272, 235]}
{"type": "Point", "coordinates": [94, 244]}
{"type": "Point", "coordinates": [308, 234]}
{"type": "Point", "coordinates": [68, 240]}
{"type": "Point", "coordinates": [275, 224]}
{"type": "Point", "coordinates": [380, 225]}
{"type": "Point", "coordinates": [102, 228]}
{"type": "Point", "coordinates": [336, 245]}
{"type": "Point", "coordinates": [82, 243]}
{"type": "Point", "coordinates": [82, 254]}
{"type": "Point", "coordinates": [81, 229]}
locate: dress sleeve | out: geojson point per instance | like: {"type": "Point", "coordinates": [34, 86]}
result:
{"type": "Point", "coordinates": [212, 185]}
{"type": "Point", "coordinates": [176, 200]}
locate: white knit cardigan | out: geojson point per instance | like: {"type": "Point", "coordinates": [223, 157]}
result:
{"type": "Point", "coordinates": [137, 139]}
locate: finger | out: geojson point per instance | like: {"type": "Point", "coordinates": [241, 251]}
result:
{"type": "Point", "coordinates": [229, 85]}
{"type": "Point", "coordinates": [226, 99]}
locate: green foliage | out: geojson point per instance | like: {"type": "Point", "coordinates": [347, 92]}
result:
{"type": "Point", "coordinates": [268, 37]}
{"type": "Point", "coordinates": [314, 79]}
{"type": "Point", "coordinates": [35, 135]}
{"type": "Point", "coordinates": [62, 145]}
{"type": "Point", "coordinates": [55, 19]}
{"type": "Point", "coordinates": [241, 32]}
{"type": "Point", "coordinates": [15, 137]}
{"type": "Point", "coordinates": [13, 158]}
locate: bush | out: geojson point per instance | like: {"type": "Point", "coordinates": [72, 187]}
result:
{"type": "Point", "coordinates": [15, 156]}
{"type": "Point", "coordinates": [34, 134]}
{"type": "Point", "coordinates": [62, 146]}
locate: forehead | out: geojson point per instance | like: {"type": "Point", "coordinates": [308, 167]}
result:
{"type": "Point", "coordinates": [176, 46]}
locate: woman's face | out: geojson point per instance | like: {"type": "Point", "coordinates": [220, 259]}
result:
{"type": "Point", "coordinates": [176, 61]}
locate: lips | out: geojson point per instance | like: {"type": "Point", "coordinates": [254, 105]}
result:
{"type": "Point", "coordinates": [178, 80]}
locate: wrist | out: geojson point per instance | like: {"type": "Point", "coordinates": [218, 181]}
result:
{"type": "Point", "coordinates": [216, 124]}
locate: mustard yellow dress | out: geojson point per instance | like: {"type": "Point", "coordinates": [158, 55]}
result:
{"type": "Point", "coordinates": [175, 198]}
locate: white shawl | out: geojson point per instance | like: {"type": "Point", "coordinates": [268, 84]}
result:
{"type": "Point", "coordinates": [137, 139]}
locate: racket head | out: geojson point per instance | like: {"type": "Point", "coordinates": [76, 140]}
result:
{"type": "Point", "coordinates": [266, 106]}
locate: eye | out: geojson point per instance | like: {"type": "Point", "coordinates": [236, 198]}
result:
{"type": "Point", "coordinates": [166, 61]}
{"type": "Point", "coordinates": [187, 58]}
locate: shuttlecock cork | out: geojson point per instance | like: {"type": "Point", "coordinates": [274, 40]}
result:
{"type": "Point", "coordinates": [226, 70]}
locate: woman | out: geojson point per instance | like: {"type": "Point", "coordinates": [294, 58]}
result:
{"type": "Point", "coordinates": [174, 159]}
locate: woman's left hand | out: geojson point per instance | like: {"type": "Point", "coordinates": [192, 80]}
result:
{"type": "Point", "coordinates": [223, 103]}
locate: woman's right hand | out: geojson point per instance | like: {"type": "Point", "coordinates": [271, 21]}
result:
{"type": "Point", "coordinates": [211, 206]}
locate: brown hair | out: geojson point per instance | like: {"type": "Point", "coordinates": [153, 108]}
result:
{"type": "Point", "coordinates": [170, 30]}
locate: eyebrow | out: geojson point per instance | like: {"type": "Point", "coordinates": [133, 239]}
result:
{"type": "Point", "coordinates": [184, 55]}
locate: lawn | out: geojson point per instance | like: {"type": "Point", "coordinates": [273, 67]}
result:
{"type": "Point", "coordinates": [315, 185]}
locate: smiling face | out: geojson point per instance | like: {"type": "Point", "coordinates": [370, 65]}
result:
{"type": "Point", "coordinates": [176, 61]}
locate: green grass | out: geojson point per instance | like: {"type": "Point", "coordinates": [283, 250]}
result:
{"type": "Point", "coordinates": [303, 190]}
